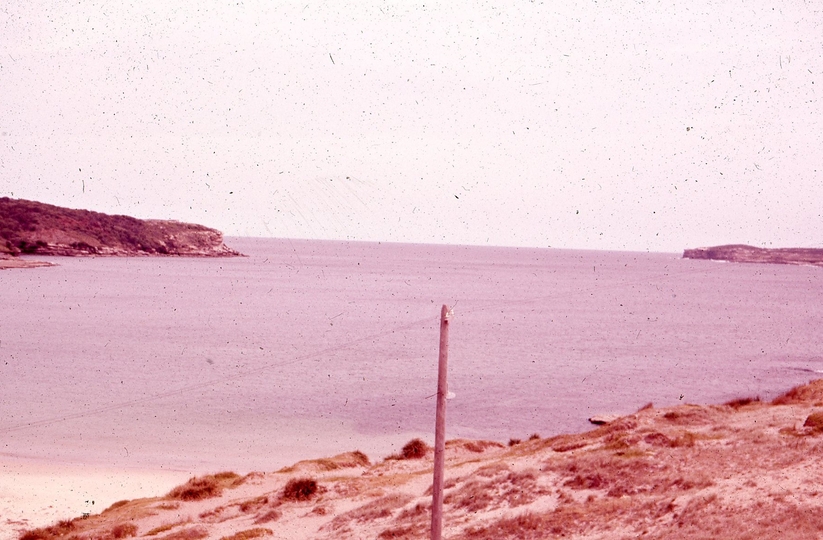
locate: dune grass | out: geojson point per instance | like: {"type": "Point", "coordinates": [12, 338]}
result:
{"type": "Point", "coordinates": [61, 529]}
{"type": "Point", "coordinates": [248, 534]}
{"type": "Point", "coordinates": [124, 530]}
{"type": "Point", "coordinates": [737, 403]}
{"type": "Point", "coordinates": [190, 533]}
{"type": "Point", "coordinates": [205, 487]}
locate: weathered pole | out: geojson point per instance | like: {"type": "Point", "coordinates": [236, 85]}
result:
{"type": "Point", "coordinates": [440, 426]}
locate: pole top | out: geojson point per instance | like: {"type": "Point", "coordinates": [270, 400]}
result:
{"type": "Point", "coordinates": [446, 312]}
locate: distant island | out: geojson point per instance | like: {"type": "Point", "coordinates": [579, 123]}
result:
{"type": "Point", "coordinates": [29, 227]}
{"type": "Point", "coordinates": [751, 254]}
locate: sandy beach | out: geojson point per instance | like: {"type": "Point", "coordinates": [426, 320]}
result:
{"type": "Point", "coordinates": [744, 469]}
{"type": "Point", "coordinates": [35, 494]}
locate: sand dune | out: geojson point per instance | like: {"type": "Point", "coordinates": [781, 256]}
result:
{"type": "Point", "coordinates": [745, 469]}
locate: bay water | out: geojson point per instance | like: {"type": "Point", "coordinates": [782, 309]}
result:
{"type": "Point", "coordinates": [307, 348]}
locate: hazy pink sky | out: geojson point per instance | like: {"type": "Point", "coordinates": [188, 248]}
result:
{"type": "Point", "coordinates": [583, 124]}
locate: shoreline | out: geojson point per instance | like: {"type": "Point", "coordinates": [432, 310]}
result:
{"type": "Point", "coordinates": [34, 493]}
{"type": "Point", "coordinates": [7, 263]}
{"type": "Point", "coordinates": [743, 469]}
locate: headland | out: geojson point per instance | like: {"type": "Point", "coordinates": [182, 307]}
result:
{"type": "Point", "coordinates": [751, 254]}
{"type": "Point", "coordinates": [34, 228]}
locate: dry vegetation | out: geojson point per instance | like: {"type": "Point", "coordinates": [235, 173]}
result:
{"type": "Point", "coordinates": [743, 470]}
{"type": "Point", "coordinates": [414, 449]}
{"type": "Point", "coordinates": [205, 487]}
{"type": "Point", "coordinates": [299, 489]}
{"type": "Point", "coordinates": [248, 534]}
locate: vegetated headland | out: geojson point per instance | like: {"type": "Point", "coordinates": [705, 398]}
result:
{"type": "Point", "coordinates": [34, 228]}
{"type": "Point", "coordinates": [751, 254]}
{"type": "Point", "coordinates": [745, 469]}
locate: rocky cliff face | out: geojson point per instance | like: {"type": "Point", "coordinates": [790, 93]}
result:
{"type": "Point", "coordinates": [28, 227]}
{"type": "Point", "coordinates": [751, 254]}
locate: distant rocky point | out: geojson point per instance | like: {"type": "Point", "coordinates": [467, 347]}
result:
{"type": "Point", "coordinates": [751, 254]}
{"type": "Point", "coordinates": [28, 227]}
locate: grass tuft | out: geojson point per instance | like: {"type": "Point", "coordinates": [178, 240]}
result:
{"type": "Point", "coordinates": [381, 508]}
{"type": "Point", "coordinates": [205, 487]}
{"type": "Point", "coordinates": [805, 393]}
{"type": "Point", "coordinates": [271, 515]}
{"type": "Point", "coordinates": [124, 530]}
{"type": "Point", "coordinates": [192, 533]}
{"type": "Point", "coordinates": [163, 528]}
{"type": "Point", "coordinates": [742, 402]}
{"type": "Point", "coordinates": [118, 504]}
{"type": "Point", "coordinates": [252, 505]}
{"type": "Point", "coordinates": [526, 526]}
{"type": "Point", "coordinates": [410, 532]}
{"type": "Point", "coordinates": [62, 528]}
{"type": "Point", "coordinates": [248, 534]}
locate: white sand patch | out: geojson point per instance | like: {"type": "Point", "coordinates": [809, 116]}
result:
{"type": "Point", "coordinates": [34, 494]}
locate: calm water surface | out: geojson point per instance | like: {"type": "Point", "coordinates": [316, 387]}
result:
{"type": "Point", "coordinates": [309, 348]}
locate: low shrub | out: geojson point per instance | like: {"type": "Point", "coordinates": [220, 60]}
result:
{"type": "Point", "coordinates": [815, 421]}
{"type": "Point", "coordinates": [299, 489]}
{"type": "Point", "coordinates": [414, 449]}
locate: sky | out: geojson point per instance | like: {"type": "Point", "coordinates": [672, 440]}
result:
{"type": "Point", "coordinates": [584, 124]}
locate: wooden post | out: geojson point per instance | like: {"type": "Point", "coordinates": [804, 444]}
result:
{"type": "Point", "coordinates": [440, 426]}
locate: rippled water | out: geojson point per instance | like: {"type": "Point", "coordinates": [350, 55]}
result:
{"type": "Point", "coordinates": [309, 348]}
